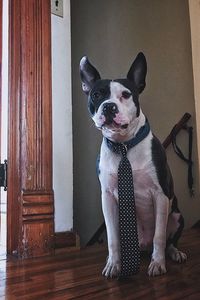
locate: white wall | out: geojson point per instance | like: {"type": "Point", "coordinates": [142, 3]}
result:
{"type": "Point", "coordinates": [62, 120]}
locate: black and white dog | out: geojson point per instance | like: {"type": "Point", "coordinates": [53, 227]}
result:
{"type": "Point", "coordinates": [115, 109]}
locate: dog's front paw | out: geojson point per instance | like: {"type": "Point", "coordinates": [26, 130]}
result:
{"type": "Point", "coordinates": [112, 268]}
{"type": "Point", "coordinates": [156, 268]}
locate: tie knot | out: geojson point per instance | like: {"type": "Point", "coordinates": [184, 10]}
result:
{"type": "Point", "coordinates": [123, 149]}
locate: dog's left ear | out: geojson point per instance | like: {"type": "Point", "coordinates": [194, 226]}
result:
{"type": "Point", "coordinates": [138, 71]}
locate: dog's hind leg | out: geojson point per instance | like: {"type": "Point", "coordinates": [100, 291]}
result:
{"type": "Point", "coordinates": [175, 254]}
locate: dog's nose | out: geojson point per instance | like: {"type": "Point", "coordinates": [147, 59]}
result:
{"type": "Point", "coordinates": [110, 109]}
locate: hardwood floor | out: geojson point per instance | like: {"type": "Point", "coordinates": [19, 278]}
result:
{"type": "Point", "coordinates": [77, 275]}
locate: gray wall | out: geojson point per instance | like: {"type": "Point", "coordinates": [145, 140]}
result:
{"type": "Point", "coordinates": [111, 33]}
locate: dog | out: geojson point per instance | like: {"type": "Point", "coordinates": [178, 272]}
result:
{"type": "Point", "coordinates": [115, 109]}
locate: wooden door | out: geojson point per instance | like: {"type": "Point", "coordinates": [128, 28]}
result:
{"type": "Point", "coordinates": [30, 194]}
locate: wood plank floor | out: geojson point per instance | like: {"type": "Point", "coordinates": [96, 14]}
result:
{"type": "Point", "coordinates": [77, 275]}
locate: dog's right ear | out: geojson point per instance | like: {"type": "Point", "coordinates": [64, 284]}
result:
{"type": "Point", "coordinates": [89, 75]}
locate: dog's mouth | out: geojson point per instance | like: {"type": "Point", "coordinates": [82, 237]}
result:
{"type": "Point", "coordinates": [121, 126]}
{"type": "Point", "coordinates": [124, 126]}
{"type": "Point", "coordinates": [114, 125]}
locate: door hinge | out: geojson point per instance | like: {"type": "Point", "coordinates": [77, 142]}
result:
{"type": "Point", "coordinates": [3, 175]}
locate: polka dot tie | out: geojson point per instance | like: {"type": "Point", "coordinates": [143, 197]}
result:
{"type": "Point", "coordinates": [130, 251]}
{"type": "Point", "coordinates": [129, 244]}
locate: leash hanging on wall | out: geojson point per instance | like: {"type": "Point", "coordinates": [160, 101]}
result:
{"type": "Point", "coordinates": [188, 160]}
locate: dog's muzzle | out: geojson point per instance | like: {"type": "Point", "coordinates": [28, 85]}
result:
{"type": "Point", "coordinates": [109, 111]}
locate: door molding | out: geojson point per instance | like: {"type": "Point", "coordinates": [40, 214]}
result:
{"type": "Point", "coordinates": [30, 193]}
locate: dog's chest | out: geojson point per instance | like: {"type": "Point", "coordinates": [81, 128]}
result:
{"type": "Point", "coordinates": [145, 183]}
{"type": "Point", "coordinates": [144, 174]}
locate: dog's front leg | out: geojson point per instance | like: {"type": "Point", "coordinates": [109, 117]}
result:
{"type": "Point", "coordinates": [111, 216]}
{"type": "Point", "coordinates": [161, 208]}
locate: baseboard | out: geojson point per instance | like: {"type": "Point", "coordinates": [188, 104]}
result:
{"type": "Point", "coordinates": [66, 239]}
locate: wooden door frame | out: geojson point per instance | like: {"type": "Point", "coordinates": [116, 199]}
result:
{"type": "Point", "coordinates": [30, 212]}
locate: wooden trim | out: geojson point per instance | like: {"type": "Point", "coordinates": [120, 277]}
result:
{"type": "Point", "coordinates": [66, 239]}
{"type": "Point", "coordinates": [13, 196]}
{"type": "Point", "coordinates": [30, 193]}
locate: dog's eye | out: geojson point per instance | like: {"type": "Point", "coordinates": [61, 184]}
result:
{"type": "Point", "coordinates": [126, 94]}
{"type": "Point", "coordinates": [96, 95]}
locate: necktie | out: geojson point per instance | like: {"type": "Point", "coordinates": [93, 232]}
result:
{"type": "Point", "coordinates": [129, 245]}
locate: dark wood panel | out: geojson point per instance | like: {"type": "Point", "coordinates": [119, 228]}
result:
{"type": "Point", "coordinates": [78, 276]}
{"type": "Point", "coordinates": [40, 245]}
{"type": "Point", "coordinates": [37, 209]}
{"type": "Point", "coordinates": [36, 95]}
{"type": "Point", "coordinates": [30, 194]}
{"type": "Point", "coordinates": [37, 198]}
{"type": "Point", "coordinates": [37, 204]}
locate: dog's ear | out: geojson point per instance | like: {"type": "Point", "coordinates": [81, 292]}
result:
{"type": "Point", "coordinates": [138, 71]}
{"type": "Point", "coordinates": [88, 74]}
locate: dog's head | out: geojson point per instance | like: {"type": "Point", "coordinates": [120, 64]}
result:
{"type": "Point", "coordinates": [113, 104]}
